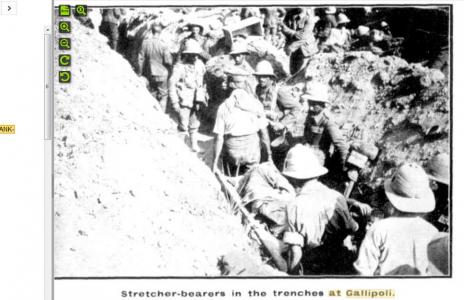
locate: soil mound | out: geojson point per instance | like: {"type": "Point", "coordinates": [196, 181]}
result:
{"type": "Point", "coordinates": [403, 108]}
{"type": "Point", "coordinates": [130, 197]}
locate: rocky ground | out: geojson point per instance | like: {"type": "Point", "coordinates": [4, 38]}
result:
{"type": "Point", "coordinates": [402, 108]}
{"type": "Point", "coordinates": [131, 199]}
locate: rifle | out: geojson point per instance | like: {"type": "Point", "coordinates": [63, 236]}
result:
{"type": "Point", "coordinates": [270, 243]}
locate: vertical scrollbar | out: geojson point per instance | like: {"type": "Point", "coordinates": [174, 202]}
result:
{"type": "Point", "coordinates": [48, 163]}
{"type": "Point", "coordinates": [48, 85]}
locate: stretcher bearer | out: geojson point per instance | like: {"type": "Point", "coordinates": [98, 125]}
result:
{"type": "Point", "coordinates": [197, 34]}
{"type": "Point", "coordinates": [320, 129]}
{"type": "Point", "coordinates": [398, 244]}
{"type": "Point", "coordinates": [109, 25]}
{"type": "Point", "coordinates": [155, 62]}
{"type": "Point", "coordinates": [238, 53]}
{"type": "Point", "coordinates": [187, 90]}
{"type": "Point", "coordinates": [266, 90]}
{"type": "Point", "coordinates": [241, 127]}
{"type": "Point", "coordinates": [318, 219]}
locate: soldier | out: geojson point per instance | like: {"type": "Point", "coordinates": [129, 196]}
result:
{"type": "Point", "coordinates": [438, 252]}
{"type": "Point", "coordinates": [397, 245]}
{"type": "Point", "coordinates": [155, 63]}
{"type": "Point", "coordinates": [297, 26]}
{"type": "Point", "coordinates": [385, 28]}
{"type": "Point", "coordinates": [320, 129]}
{"type": "Point", "coordinates": [240, 127]}
{"type": "Point", "coordinates": [439, 173]}
{"type": "Point", "coordinates": [187, 90]}
{"type": "Point", "coordinates": [318, 220]}
{"type": "Point", "coordinates": [109, 25]}
{"type": "Point", "coordinates": [197, 30]}
{"type": "Point", "coordinates": [266, 193]}
{"type": "Point", "coordinates": [329, 15]}
{"type": "Point", "coordinates": [277, 100]}
{"type": "Point", "coordinates": [341, 34]}
{"type": "Point", "coordinates": [266, 90]}
{"type": "Point", "coordinates": [238, 54]}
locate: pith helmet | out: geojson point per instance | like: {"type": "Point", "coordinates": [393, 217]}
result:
{"type": "Point", "coordinates": [264, 68]}
{"type": "Point", "coordinates": [302, 163]}
{"type": "Point", "coordinates": [409, 190]}
{"type": "Point", "coordinates": [195, 24]}
{"type": "Point", "coordinates": [316, 92]}
{"type": "Point", "coordinates": [362, 30]}
{"type": "Point", "coordinates": [192, 47]}
{"type": "Point", "coordinates": [438, 168]}
{"type": "Point", "coordinates": [239, 48]}
{"type": "Point", "coordinates": [342, 19]}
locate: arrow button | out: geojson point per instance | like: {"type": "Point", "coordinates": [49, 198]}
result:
{"type": "Point", "coordinates": [9, 8]}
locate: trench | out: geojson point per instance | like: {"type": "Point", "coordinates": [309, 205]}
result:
{"type": "Point", "coordinates": [369, 100]}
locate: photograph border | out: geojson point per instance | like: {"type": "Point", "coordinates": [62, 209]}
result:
{"type": "Point", "coordinates": [298, 277]}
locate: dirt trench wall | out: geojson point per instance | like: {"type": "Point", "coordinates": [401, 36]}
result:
{"type": "Point", "coordinates": [404, 108]}
{"type": "Point", "coordinates": [130, 198]}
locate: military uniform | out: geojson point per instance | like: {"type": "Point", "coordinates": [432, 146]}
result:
{"type": "Point", "coordinates": [299, 48]}
{"type": "Point", "coordinates": [266, 192]}
{"type": "Point", "coordinates": [267, 95]}
{"type": "Point", "coordinates": [239, 119]}
{"type": "Point", "coordinates": [321, 132]}
{"type": "Point", "coordinates": [201, 40]}
{"type": "Point", "coordinates": [155, 60]}
{"type": "Point", "coordinates": [318, 222]}
{"type": "Point", "coordinates": [109, 25]}
{"type": "Point", "coordinates": [186, 87]}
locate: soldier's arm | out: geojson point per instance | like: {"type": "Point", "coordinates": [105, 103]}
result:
{"type": "Point", "coordinates": [167, 58]}
{"type": "Point", "coordinates": [287, 30]}
{"type": "Point", "coordinates": [306, 33]}
{"type": "Point", "coordinates": [369, 254]}
{"type": "Point", "coordinates": [363, 208]}
{"type": "Point", "coordinates": [294, 238]}
{"type": "Point", "coordinates": [295, 254]}
{"type": "Point", "coordinates": [266, 141]}
{"type": "Point", "coordinates": [219, 131]}
{"type": "Point", "coordinates": [205, 55]}
{"type": "Point", "coordinates": [175, 77]}
{"type": "Point", "coordinates": [141, 58]}
{"type": "Point", "coordinates": [218, 144]}
{"type": "Point", "coordinates": [337, 140]}
{"type": "Point", "coordinates": [117, 13]}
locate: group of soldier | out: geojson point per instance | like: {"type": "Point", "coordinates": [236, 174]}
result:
{"type": "Point", "coordinates": [281, 182]}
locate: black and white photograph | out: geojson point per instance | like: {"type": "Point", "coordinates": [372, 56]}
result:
{"type": "Point", "coordinates": [256, 141]}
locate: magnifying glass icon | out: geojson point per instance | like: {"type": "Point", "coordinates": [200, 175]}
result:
{"type": "Point", "coordinates": [65, 44]}
{"type": "Point", "coordinates": [65, 27]}
{"type": "Point", "coordinates": [81, 10]}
